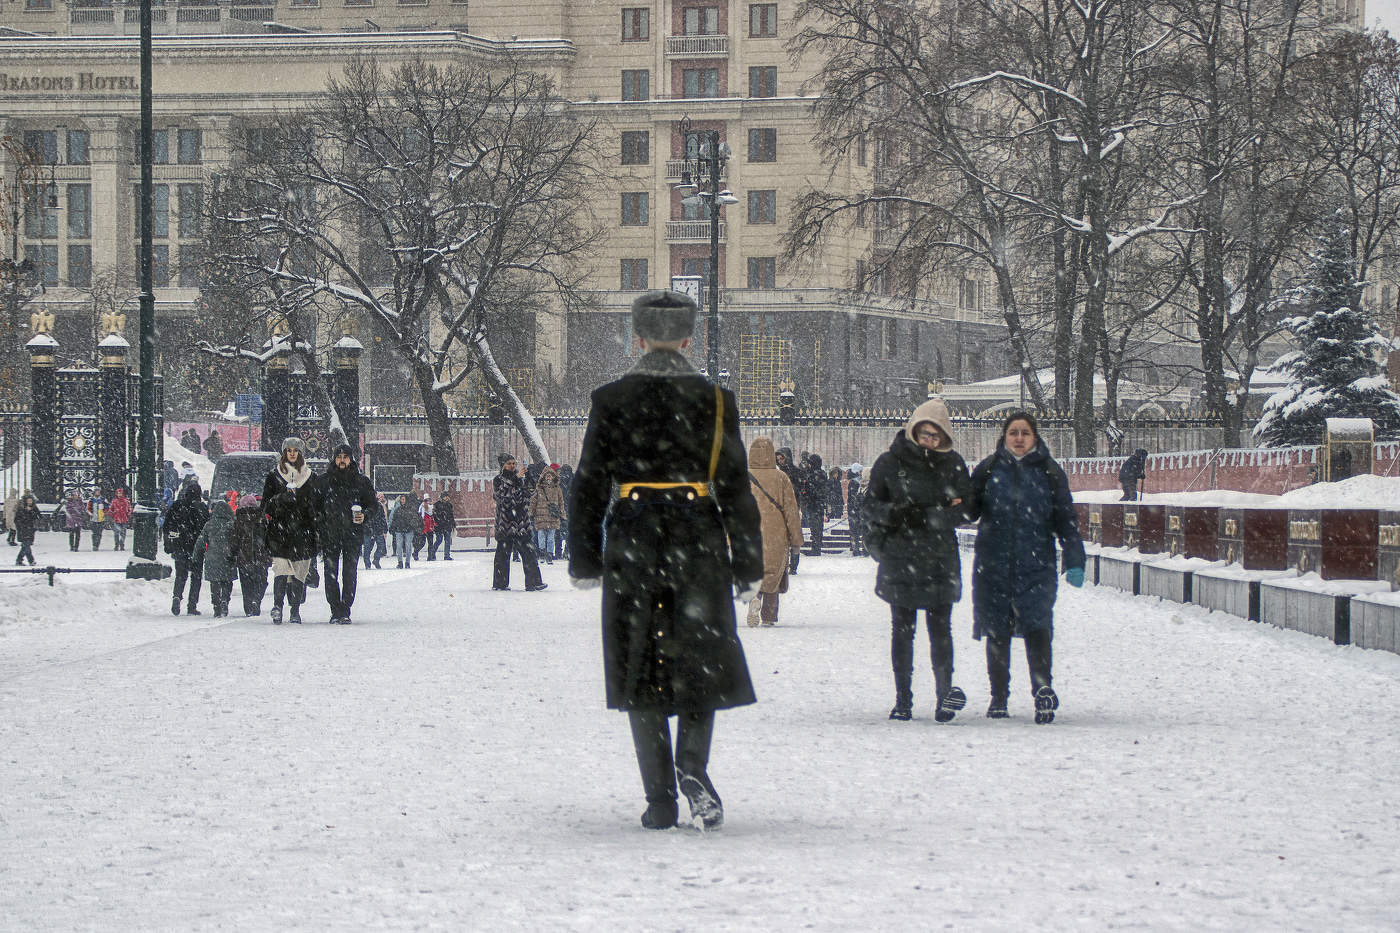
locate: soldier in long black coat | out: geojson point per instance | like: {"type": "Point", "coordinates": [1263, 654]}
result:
{"type": "Point", "coordinates": [681, 536]}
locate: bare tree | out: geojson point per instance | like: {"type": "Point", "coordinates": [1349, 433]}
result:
{"type": "Point", "coordinates": [430, 200]}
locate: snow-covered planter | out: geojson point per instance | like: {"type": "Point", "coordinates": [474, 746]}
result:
{"type": "Point", "coordinates": [1388, 548]}
{"type": "Point", "coordinates": [1313, 605]}
{"type": "Point", "coordinates": [1171, 578]}
{"type": "Point", "coordinates": [1375, 621]}
{"type": "Point", "coordinates": [1230, 588]}
{"type": "Point", "coordinates": [1120, 569]}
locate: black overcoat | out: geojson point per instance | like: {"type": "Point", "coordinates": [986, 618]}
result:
{"type": "Point", "coordinates": [668, 559]}
{"type": "Point", "coordinates": [291, 517]}
{"type": "Point", "coordinates": [1022, 506]}
{"type": "Point", "coordinates": [335, 491]}
{"type": "Point", "coordinates": [910, 523]}
{"type": "Point", "coordinates": [184, 521]}
{"type": "Point", "coordinates": [512, 506]}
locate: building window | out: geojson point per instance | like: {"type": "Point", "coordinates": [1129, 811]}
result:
{"type": "Point", "coordinates": [42, 145]}
{"type": "Point", "coordinates": [763, 20]}
{"type": "Point", "coordinates": [80, 266]}
{"type": "Point", "coordinates": [160, 210]}
{"type": "Point", "coordinates": [889, 338]}
{"type": "Point", "coordinates": [160, 266]}
{"type": "Point", "coordinates": [967, 295]}
{"type": "Point", "coordinates": [40, 213]}
{"type": "Point", "coordinates": [763, 82]}
{"type": "Point", "coordinates": [763, 145]}
{"type": "Point", "coordinates": [634, 274]}
{"type": "Point", "coordinates": [696, 210]}
{"type": "Point", "coordinates": [634, 209]}
{"type": "Point", "coordinates": [636, 85]}
{"type": "Point", "coordinates": [763, 272]}
{"type": "Point", "coordinates": [79, 212]}
{"type": "Point", "coordinates": [700, 21]}
{"type": "Point", "coordinates": [763, 207]}
{"type": "Point", "coordinates": [191, 147]}
{"type": "Point", "coordinates": [44, 258]}
{"type": "Point", "coordinates": [636, 24]}
{"type": "Point", "coordinates": [700, 82]}
{"type": "Point", "coordinates": [636, 147]}
{"type": "Point", "coordinates": [191, 265]}
{"type": "Point", "coordinates": [77, 147]}
{"type": "Point", "coordinates": [191, 210]}
{"type": "Point", "coordinates": [37, 5]}
{"type": "Point", "coordinates": [698, 266]}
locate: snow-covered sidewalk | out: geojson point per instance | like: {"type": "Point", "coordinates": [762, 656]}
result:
{"type": "Point", "coordinates": [446, 763]}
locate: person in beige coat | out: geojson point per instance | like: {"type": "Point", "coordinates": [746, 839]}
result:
{"type": "Point", "coordinates": [782, 528]}
{"type": "Point", "coordinates": [547, 512]}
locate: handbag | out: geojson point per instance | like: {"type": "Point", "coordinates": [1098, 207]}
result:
{"type": "Point", "coordinates": [313, 576]}
{"type": "Point", "coordinates": [554, 511]}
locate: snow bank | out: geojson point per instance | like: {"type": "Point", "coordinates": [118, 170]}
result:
{"type": "Point", "coordinates": [1358, 492]}
{"type": "Point", "coordinates": [177, 454]}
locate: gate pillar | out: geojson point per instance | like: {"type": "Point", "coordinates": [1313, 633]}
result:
{"type": "Point", "coordinates": [44, 409]}
{"type": "Point", "coordinates": [113, 414]}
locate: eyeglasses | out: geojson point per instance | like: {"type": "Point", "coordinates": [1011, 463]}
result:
{"type": "Point", "coordinates": [928, 435]}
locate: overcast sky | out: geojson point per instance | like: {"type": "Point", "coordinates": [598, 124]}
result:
{"type": "Point", "coordinates": [1387, 12]}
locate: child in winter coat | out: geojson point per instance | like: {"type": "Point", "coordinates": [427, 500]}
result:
{"type": "Point", "coordinates": [916, 498]}
{"type": "Point", "coordinates": [250, 552]}
{"type": "Point", "coordinates": [11, 508]}
{"type": "Point", "coordinates": [120, 513]}
{"type": "Point", "coordinates": [98, 517]}
{"type": "Point", "coordinates": [547, 512]}
{"type": "Point", "coordinates": [215, 542]}
{"type": "Point", "coordinates": [75, 516]}
{"type": "Point", "coordinates": [1022, 500]}
{"type": "Point", "coordinates": [27, 519]}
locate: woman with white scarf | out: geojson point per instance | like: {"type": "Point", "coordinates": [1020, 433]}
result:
{"type": "Point", "coordinates": [288, 494]}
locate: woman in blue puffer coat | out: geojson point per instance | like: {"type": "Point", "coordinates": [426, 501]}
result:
{"type": "Point", "coordinates": [1022, 498]}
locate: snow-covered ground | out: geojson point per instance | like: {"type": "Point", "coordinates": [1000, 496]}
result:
{"type": "Point", "coordinates": [446, 763]}
{"type": "Point", "coordinates": [1358, 492]}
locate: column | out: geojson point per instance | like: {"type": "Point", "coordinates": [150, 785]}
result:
{"type": "Point", "coordinates": [346, 387]}
{"type": "Point", "coordinates": [277, 400]}
{"type": "Point", "coordinates": [113, 414]}
{"type": "Point", "coordinates": [44, 411]}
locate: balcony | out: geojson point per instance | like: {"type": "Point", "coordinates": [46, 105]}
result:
{"type": "Point", "coordinates": [697, 46]}
{"type": "Point", "coordinates": [675, 168]}
{"type": "Point", "coordinates": [691, 231]}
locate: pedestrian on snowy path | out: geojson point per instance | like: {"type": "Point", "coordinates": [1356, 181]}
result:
{"type": "Point", "coordinates": [917, 496]}
{"type": "Point", "coordinates": [121, 519]}
{"type": "Point", "coordinates": [184, 520]}
{"type": "Point", "coordinates": [513, 528]}
{"type": "Point", "coordinates": [444, 526]}
{"type": "Point", "coordinates": [855, 512]}
{"type": "Point", "coordinates": [75, 517]}
{"type": "Point", "coordinates": [813, 496]}
{"type": "Point", "coordinates": [99, 517]}
{"type": "Point", "coordinates": [290, 509]}
{"type": "Point", "coordinates": [403, 524]}
{"type": "Point", "coordinates": [566, 481]}
{"type": "Point", "coordinates": [1022, 498]}
{"type": "Point", "coordinates": [547, 513]}
{"type": "Point", "coordinates": [250, 552]}
{"type": "Point", "coordinates": [1132, 473]}
{"type": "Point", "coordinates": [215, 544]}
{"type": "Point", "coordinates": [376, 527]}
{"type": "Point", "coordinates": [835, 493]}
{"type": "Point", "coordinates": [11, 508]}
{"type": "Point", "coordinates": [26, 522]}
{"type": "Point", "coordinates": [781, 526]}
{"type": "Point", "coordinates": [344, 500]}
{"type": "Point", "coordinates": [794, 475]}
{"type": "Point", "coordinates": [663, 480]}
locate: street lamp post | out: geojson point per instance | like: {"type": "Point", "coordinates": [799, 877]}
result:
{"type": "Point", "coordinates": [700, 182]}
{"type": "Point", "coordinates": [144, 517]}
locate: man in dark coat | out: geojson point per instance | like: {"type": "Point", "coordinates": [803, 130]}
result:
{"type": "Point", "coordinates": [855, 512]}
{"type": "Point", "coordinates": [663, 479]}
{"type": "Point", "coordinates": [1132, 472]}
{"type": "Point", "coordinates": [344, 501]}
{"type": "Point", "coordinates": [444, 526]}
{"type": "Point", "coordinates": [794, 476]}
{"type": "Point", "coordinates": [214, 446]}
{"type": "Point", "coordinates": [813, 500]}
{"type": "Point", "coordinates": [513, 528]}
{"type": "Point", "coordinates": [183, 523]}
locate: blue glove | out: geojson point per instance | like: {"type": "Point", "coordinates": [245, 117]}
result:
{"type": "Point", "coordinates": [1075, 576]}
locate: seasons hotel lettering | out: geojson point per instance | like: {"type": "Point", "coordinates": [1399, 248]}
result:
{"type": "Point", "coordinates": [82, 81]}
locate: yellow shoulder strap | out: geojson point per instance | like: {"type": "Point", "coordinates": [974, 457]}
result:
{"type": "Point", "coordinates": [719, 432]}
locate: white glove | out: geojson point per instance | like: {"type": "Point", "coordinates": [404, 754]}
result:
{"type": "Point", "coordinates": [586, 583]}
{"type": "Point", "coordinates": [746, 592]}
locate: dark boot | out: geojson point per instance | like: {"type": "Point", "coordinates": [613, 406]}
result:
{"type": "Point", "coordinates": [950, 698]}
{"type": "Point", "coordinates": [902, 622]}
{"type": "Point", "coordinates": [296, 594]}
{"type": "Point", "coordinates": [651, 739]}
{"type": "Point", "coordinates": [998, 674]}
{"type": "Point", "coordinates": [693, 732]}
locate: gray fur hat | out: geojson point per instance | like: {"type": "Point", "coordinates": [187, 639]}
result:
{"type": "Point", "coordinates": [663, 315]}
{"type": "Point", "coordinates": [503, 458]}
{"type": "Point", "coordinates": [298, 443]}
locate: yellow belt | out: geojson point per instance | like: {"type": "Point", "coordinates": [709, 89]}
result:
{"type": "Point", "coordinates": [699, 489]}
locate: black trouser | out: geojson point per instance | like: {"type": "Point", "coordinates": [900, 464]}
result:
{"type": "Point", "coordinates": [252, 582]}
{"type": "Point", "coordinates": [1130, 491]}
{"type": "Point", "coordinates": [75, 537]}
{"type": "Point", "coordinates": [26, 552]}
{"type": "Point", "coordinates": [903, 622]}
{"type": "Point", "coordinates": [341, 564]}
{"type": "Point", "coordinates": [192, 568]}
{"type": "Point", "coordinates": [290, 588]}
{"type": "Point", "coordinates": [814, 520]}
{"type": "Point", "coordinates": [528, 562]}
{"type": "Point", "coordinates": [1038, 659]}
{"type": "Point", "coordinates": [651, 739]}
{"type": "Point", "coordinates": [857, 537]}
{"type": "Point", "coordinates": [220, 592]}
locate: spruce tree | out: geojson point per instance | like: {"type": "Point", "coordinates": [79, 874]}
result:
{"type": "Point", "coordinates": [1335, 369]}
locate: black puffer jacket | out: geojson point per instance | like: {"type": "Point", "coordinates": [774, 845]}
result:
{"type": "Point", "coordinates": [911, 521]}
{"type": "Point", "coordinates": [289, 502]}
{"type": "Point", "coordinates": [185, 520]}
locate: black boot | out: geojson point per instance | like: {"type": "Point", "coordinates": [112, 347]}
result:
{"type": "Point", "coordinates": [693, 732]}
{"type": "Point", "coordinates": [279, 593]}
{"type": "Point", "coordinates": [175, 606]}
{"type": "Point", "coordinates": [651, 738]}
{"type": "Point", "coordinates": [296, 594]}
{"type": "Point", "coordinates": [902, 622]}
{"type": "Point", "coordinates": [998, 675]}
